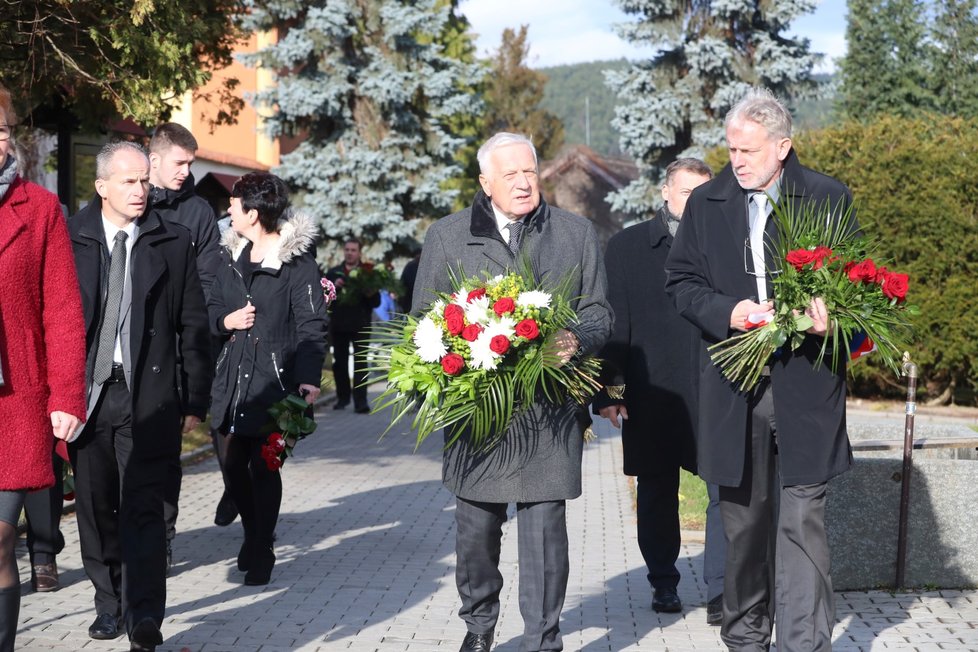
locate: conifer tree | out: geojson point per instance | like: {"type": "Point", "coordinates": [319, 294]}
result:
{"type": "Point", "coordinates": [709, 53]}
{"type": "Point", "coordinates": [369, 91]}
{"type": "Point", "coordinates": [885, 69]}
{"type": "Point", "coordinates": [955, 57]}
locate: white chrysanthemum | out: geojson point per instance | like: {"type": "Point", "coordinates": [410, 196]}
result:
{"type": "Point", "coordinates": [428, 339]}
{"type": "Point", "coordinates": [461, 295]}
{"type": "Point", "coordinates": [438, 307]}
{"type": "Point", "coordinates": [482, 356]}
{"type": "Point", "coordinates": [533, 299]}
{"type": "Point", "coordinates": [477, 311]}
{"type": "Point", "coordinates": [497, 278]}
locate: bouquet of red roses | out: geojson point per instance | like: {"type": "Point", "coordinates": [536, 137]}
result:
{"type": "Point", "coordinates": [479, 355]}
{"type": "Point", "coordinates": [818, 255]}
{"type": "Point", "coordinates": [292, 420]}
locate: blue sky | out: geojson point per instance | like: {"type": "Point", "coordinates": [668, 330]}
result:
{"type": "Point", "coordinates": [572, 31]}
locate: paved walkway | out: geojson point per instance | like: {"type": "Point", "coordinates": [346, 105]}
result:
{"type": "Point", "coordinates": [366, 563]}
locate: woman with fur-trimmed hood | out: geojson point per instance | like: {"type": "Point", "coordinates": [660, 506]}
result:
{"type": "Point", "coordinates": [267, 302]}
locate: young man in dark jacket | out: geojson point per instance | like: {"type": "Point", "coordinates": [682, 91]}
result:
{"type": "Point", "coordinates": [172, 152]}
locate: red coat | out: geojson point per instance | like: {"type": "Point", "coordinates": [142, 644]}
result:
{"type": "Point", "coordinates": [42, 334]}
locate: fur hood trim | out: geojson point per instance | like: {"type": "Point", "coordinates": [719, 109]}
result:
{"type": "Point", "coordinates": [296, 235]}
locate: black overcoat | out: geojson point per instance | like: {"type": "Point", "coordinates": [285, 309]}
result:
{"type": "Point", "coordinates": [287, 343]}
{"type": "Point", "coordinates": [168, 322]}
{"type": "Point", "coordinates": [706, 276]}
{"type": "Point", "coordinates": [652, 351]}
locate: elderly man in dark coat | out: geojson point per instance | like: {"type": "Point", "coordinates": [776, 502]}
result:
{"type": "Point", "coordinates": [650, 370]}
{"type": "Point", "coordinates": [772, 449]}
{"type": "Point", "coordinates": [144, 309]}
{"type": "Point", "coordinates": [537, 462]}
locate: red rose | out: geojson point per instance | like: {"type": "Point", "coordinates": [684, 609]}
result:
{"type": "Point", "coordinates": [528, 328]}
{"type": "Point", "coordinates": [471, 332]}
{"type": "Point", "coordinates": [863, 272]}
{"type": "Point", "coordinates": [276, 442]}
{"type": "Point", "coordinates": [895, 286]}
{"type": "Point", "coordinates": [454, 323]}
{"type": "Point", "coordinates": [799, 258]}
{"type": "Point", "coordinates": [822, 255]}
{"type": "Point", "coordinates": [499, 344]}
{"type": "Point", "coordinates": [452, 364]}
{"type": "Point", "coordinates": [881, 273]}
{"type": "Point", "coordinates": [273, 463]}
{"type": "Point", "coordinates": [475, 294]}
{"type": "Point", "coordinates": [453, 309]}
{"type": "Point", "coordinates": [503, 306]}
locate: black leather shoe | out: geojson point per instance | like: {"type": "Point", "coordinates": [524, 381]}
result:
{"type": "Point", "coordinates": [362, 409]}
{"type": "Point", "coordinates": [105, 628]}
{"type": "Point", "coordinates": [476, 642]}
{"type": "Point", "coordinates": [339, 405]}
{"type": "Point", "coordinates": [260, 570]}
{"type": "Point", "coordinates": [667, 601]}
{"type": "Point", "coordinates": [145, 636]}
{"type": "Point", "coordinates": [714, 611]}
{"type": "Point", "coordinates": [226, 511]}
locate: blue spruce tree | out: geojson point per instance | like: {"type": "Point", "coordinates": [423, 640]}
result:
{"type": "Point", "coordinates": [369, 92]}
{"type": "Point", "coordinates": [709, 52]}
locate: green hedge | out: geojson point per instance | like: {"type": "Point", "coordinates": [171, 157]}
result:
{"type": "Point", "coordinates": [915, 182]}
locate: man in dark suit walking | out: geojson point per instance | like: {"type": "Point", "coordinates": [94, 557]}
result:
{"type": "Point", "coordinates": [772, 449]}
{"type": "Point", "coordinates": [142, 299]}
{"type": "Point", "coordinates": [650, 367]}
{"type": "Point", "coordinates": [537, 462]}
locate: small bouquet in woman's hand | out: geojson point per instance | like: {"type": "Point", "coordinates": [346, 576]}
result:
{"type": "Point", "coordinates": [291, 420]}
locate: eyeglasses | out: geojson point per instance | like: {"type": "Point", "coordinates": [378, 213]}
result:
{"type": "Point", "coordinates": [4, 133]}
{"type": "Point", "coordinates": [749, 253]}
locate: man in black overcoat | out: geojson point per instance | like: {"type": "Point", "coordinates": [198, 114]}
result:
{"type": "Point", "coordinates": [772, 449]}
{"type": "Point", "coordinates": [138, 324]}
{"type": "Point", "coordinates": [650, 369]}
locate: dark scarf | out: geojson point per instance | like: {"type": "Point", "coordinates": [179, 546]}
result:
{"type": "Point", "coordinates": [669, 221]}
{"type": "Point", "coordinates": [7, 175]}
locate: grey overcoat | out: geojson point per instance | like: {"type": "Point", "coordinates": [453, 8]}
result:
{"type": "Point", "coordinates": [539, 458]}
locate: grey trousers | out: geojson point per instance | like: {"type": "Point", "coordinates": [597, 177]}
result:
{"type": "Point", "coordinates": [543, 562]}
{"type": "Point", "coordinates": [777, 554]}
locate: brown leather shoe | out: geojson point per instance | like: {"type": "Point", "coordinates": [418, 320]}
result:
{"type": "Point", "coordinates": [45, 577]}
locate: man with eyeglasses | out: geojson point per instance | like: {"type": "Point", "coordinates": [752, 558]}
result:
{"type": "Point", "coordinates": [771, 449]}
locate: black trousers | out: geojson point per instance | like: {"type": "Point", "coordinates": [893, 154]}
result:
{"type": "Point", "coordinates": [341, 366]}
{"type": "Point", "coordinates": [171, 497]}
{"type": "Point", "coordinates": [715, 548]}
{"type": "Point", "coordinates": [43, 511]}
{"type": "Point", "coordinates": [119, 503]}
{"type": "Point", "coordinates": [256, 490]}
{"type": "Point", "coordinates": [657, 507]}
{"type": "Point", "coordinates": [544, 567]}
{"type": "Point", "coordinates": [777, 570]}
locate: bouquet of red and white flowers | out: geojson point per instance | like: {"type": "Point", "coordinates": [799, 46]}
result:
{"type": "Point", "coordinates": [479, 355]}
{"type": "Point", "coordinates": [818, 255]}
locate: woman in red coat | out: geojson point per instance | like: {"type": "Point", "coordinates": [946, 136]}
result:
{"type": "Point", "coordinates": [42, 352]}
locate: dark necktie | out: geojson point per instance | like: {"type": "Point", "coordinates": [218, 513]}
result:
{"type": "Point", "coordinates": [110, 322]}
{"type": "Point", "coordinates": [515, 230]}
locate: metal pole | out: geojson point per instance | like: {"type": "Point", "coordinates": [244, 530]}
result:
{"type": "Point", "coordinates": [910, 371]}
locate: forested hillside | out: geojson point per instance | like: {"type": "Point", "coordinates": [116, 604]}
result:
{"type": "Point", "coordinates": [570, 89]}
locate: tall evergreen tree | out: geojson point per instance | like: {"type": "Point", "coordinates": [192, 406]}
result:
{"type": "Point", "coordinates": [955, 57]}
{"type": "Point", "coordinates": [369, 90]}
{"type": "Point", "coordinates": [885, 69]}
{"type": "Point", "coordinates": [513, 93]}
{"type": "Point", "coordinates": [709, 53]}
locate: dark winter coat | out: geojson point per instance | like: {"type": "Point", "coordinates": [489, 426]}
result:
{"type": "Point", "coordinates": [42, 335]}
{"type": "Point", "coordinates": [706, 278]}
{"type": "Point", "coordinates": [653, 351]}
{"type": "Point", "coordinates": [168, 322]}
{"type": "Point", "coordinates": [287, 344]}
{"type": "Point", "coordinates": [185, 209]}
{"type": "Point", "coordinates": [355, 316]}
{"type": "Point", "coordinates": [539, 458]}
